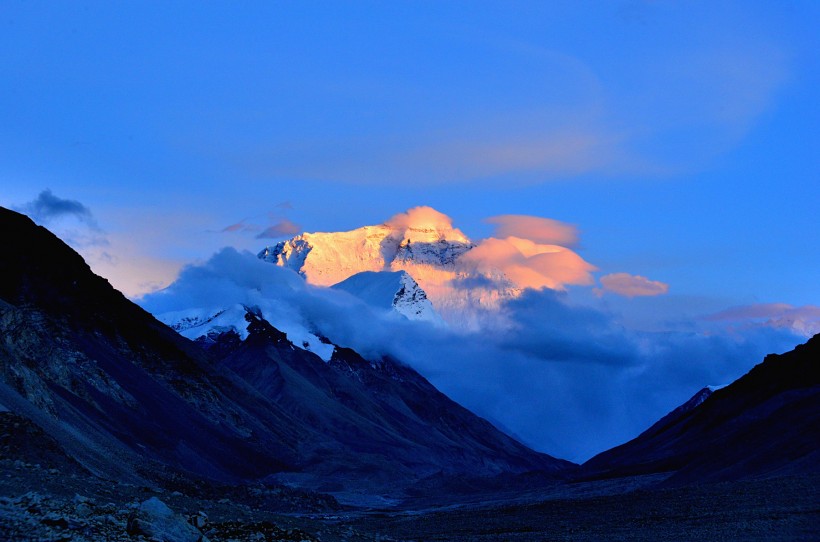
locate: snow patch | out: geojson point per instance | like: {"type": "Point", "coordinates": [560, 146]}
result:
{"type": "Point", "coordinates": [198, 322]}
{"type": "Point", "coordinates": [195, 323]}
{"type": "Point", "coordinates": [395, 290]}
{"type": "Point", "coordinates": [304, 339]}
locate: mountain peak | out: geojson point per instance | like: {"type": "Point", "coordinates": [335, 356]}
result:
{"type": "Point", "coordinates": [391, 289]}
{"type": "Point", "coordinates": [421, 242]}
{"type": "Point", "coordinates": [421, 235]}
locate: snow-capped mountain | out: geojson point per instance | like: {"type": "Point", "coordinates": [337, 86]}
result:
{"type": "Point", "coordinates": [206, 324]}
{"type": "Point", "coordinates": [394, 290]}
{"type": "Point", "coordinates": [329, 258]}
{"type": "Point", "coordinates": [391, 289]}
{"type": "Point", "coordinates": [424, 244]}
{"type": "Point", "coordinates": [133, 401]}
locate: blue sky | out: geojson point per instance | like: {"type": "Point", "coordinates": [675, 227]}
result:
{"type": "Point", "coordinates": [680, 137]}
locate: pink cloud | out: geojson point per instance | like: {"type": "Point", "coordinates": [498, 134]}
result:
{"type": "Point", "coordinates": [631, 285]}
{"type": "Point", "coordinates": [421, 217]}
{"type": "Point", "coordinates": [529, 255]}
{"type": "Point", "coordinates": [762, 310]}
{"type": "Point", "coordinates": [239, 226]}
{"type": "Point", "coordinates": [534, 228]}
{"type": "Point", "coordinates": [529, 264]}
{"type": "Point", "coordinates": [283, 228]}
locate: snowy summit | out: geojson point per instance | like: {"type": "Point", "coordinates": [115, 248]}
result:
{"type": "Point", "coordinates": [421, 242]}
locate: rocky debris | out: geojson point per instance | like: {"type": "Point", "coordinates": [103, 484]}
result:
{"type": "Point", "coordinates": [33, 516]}
{"type": "Point", "coordinates": [22, 439]}
{"type": "Point", "coordinates": [154, 520]}
{"type": "Point", "coordinates": [263, 530]}
{"type": "Point", "coordinates": [199, 520]}
{"type": "Point", "coordinates": [46, 495]}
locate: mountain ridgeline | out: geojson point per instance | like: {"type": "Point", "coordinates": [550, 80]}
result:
{"type": "Point", "coordinates": [766, 423]}
{"type": "Point", "coordinates": [128, 397]}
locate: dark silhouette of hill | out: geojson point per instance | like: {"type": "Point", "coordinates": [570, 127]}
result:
{"type": "Point", "coordinates": [766, 423]}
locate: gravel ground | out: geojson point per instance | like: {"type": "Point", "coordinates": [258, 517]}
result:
{"type": "Point", "coordinates": [46, 496]}
{"type": "Point", "coordinates": [775, 509]}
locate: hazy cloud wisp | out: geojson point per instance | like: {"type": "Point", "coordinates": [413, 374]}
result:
{"type": "Point", "coordinates": [535, 228]}
{"type": "Point", "coordinates": [631, 285]}
{"type": "Point", "coordinates": [47, 207]}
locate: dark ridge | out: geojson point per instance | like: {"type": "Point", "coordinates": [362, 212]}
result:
{"type": "Point", "coordinates": [766, 423]}
{"type": "Point", "coordinates": [79, 350]}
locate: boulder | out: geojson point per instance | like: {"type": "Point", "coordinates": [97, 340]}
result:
{"type": "Point", "coordinates": [155, 521]}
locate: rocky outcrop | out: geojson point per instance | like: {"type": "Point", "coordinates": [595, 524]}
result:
{"type": "Point", "coordinates": [155, 521]}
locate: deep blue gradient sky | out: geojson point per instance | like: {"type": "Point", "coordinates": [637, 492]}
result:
{"type": "Point", "coordinates": [680, 137]}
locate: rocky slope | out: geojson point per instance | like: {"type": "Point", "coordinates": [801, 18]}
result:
{"type": "Point", "coordinates": [115, 386]}
{"type": "Point", "coordinates": [380, 420]}
{"type": "Point", "coordinates": [766, 423]}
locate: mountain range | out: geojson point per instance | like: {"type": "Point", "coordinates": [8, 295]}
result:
{"type": "Point", "coordinates": [226, 397]}
{"type": "Point", "coordinates": [118, 388]}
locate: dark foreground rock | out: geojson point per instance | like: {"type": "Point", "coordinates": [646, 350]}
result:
{"type": "Point", "coordinates": [154, 520]}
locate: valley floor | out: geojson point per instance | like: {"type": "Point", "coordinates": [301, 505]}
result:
{"type": "Point", "coordinates": [45, 495]}
{"type": "Point", "coordinates": [43, 504]}
{"type": "Point", "coordinates": [774, 509]}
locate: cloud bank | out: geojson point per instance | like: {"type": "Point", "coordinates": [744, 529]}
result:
{"type": "Point", "coordinates": [567, 380]}
{"type": "Point", "coordinates": [529, 264]}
